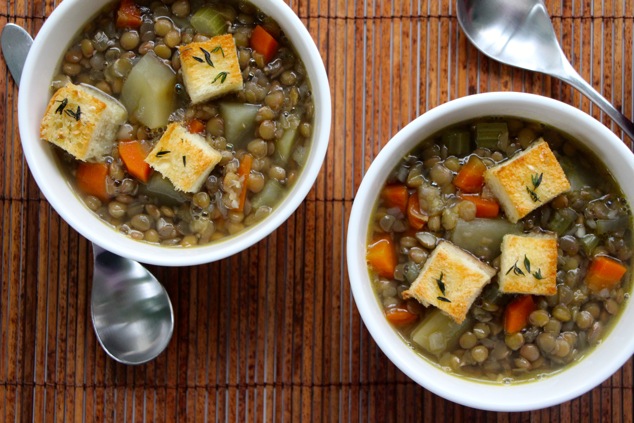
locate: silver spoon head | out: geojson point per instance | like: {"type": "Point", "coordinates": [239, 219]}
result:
{"type": "Point", "coordinates": [131, 311]}
{"type": "Point", "coordinates": [517, 33]}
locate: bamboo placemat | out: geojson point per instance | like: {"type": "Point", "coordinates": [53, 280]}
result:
{"type": "Point", "coordinates": [273, 334]}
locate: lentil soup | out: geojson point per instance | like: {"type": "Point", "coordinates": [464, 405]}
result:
{"type": "Point", "coordinates": [261, 130]}
{"type": "Point", "coordinates": [505, 337]}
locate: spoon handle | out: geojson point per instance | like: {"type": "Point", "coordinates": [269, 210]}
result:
{"type": "Point", "coordinates": [574, 79]}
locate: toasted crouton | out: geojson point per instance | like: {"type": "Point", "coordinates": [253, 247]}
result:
{"type": "Point", "coordinates": [83, 121]}
{"type": "Point", "coordinates": [451, 280]}
{"type": "Point", "coordinates": [211, 68]}
{"type": "Point", "coordinates": [529, 264]}
{"type": "Point", "coordinates": [184, 158]}
{"type": "Point", "coordinates": [527, 181]}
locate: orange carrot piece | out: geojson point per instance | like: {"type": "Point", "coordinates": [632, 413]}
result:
{"type": "Point", "coordinates": [395, 196]}
{"type": "Point", "coordinates": [91, 179]}
{"type": "Point", "coordinates": [243, 172]}
{"type": "Point", "coordinates": [470, 178]}
{"type": "Point", "coordinates": [484, 206]}
{"type": "Point", "coordinates": [133, 155]}
{"type": "Point", "coordinates": [382, 257]}
{"type": "Point", "coordinates": [400, 316]}
{"type": "Point", "coordinates": [128, 15]}
{"type": "Point", "coordinates": [415, 217]}
{"type": "Point", "coordinates": [195, 126]}
{"type": "Point", "coordinates": [263, 43]}
{"type": "Point", "coordinates": [517, 312]}
{"type": "Point", "coordinates": [604, 272]}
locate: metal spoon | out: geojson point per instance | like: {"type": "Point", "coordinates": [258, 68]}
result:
{"type": "Point", "coordinates": [520, 33]}
{"type": "Point", "coordinates": [131, 311]}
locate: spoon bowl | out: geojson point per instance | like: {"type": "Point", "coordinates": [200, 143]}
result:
{"type": "Point", "coordinates": [520, 34]}
{"type": "Point", "coordinates": [131, 311]}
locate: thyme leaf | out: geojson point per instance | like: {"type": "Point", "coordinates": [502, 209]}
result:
{"type": "Point", "coordinates": [184, 161]}
{"type": "Point", "coordinates": [527, 264]}
{"type": "Point", "coordinates": [533, 195]}
{"type": "Point", "coordinates": [198, 59]}
{"type": "Point", "coordinates": [441, 284]}
{"type": "Point", "coordinates": [207, 57]}
{"type": "Point", "coordinates": [537, 180]}
{"type": "Point", "coordinates": [443, 299]}
{"type": "Point", "coordinates": [76, 115]}
{"type": "Point", "coordinates": [516, 270]}
{"type": "Point", "coordinates": [538, 275]}
{"type": "Point", "coordinates": [62, 106]}
{"type": "Point", "coordinates": [162, 153]}
{"type": "Point", "coordinates": [218, 48]}
{"type": "Point", "coordinates": [222, 76]}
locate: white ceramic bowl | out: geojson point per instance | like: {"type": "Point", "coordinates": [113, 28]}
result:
{"type": "Point", "coordinates": [43, 60]}
{"type": "Point", "coordinates": [576, 379]}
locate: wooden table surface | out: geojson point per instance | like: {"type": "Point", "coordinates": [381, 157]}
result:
{"type": "Point", "coordinates": [273, 334]}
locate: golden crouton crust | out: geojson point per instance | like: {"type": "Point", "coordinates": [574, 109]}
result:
{"type": "Point", "coordinates": [184, 158]}
{"type": "Point", "coordinates": [463, 275]}
{"type": "Point", "coordinates": [203, 81]}
{"type": "Point", "coordinates": [511, 181]}
{"type": "Point", "coordinates": [65, 131]}
{"type": "Point", "coordinates": [541, 252]}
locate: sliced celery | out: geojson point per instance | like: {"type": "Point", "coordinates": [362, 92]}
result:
{"type": "Point", "coordinates": [148, 93]}
{"type": "Point", "coordinates": [209, 21]}
{"type": "Point", "coordinates": [437, 332]}
{"type": "Point", "coordinates": [239, 120]}
{"type": "Point", "coordinates": [589, 242]}
{"type": "Point", "coordinates": [610, 226]}
{"type": "Point", "coordinates": [284, 145]}
{"type": "Point", "coordinates": [491, 134]}
{"type": "Point", "coordinates": [562, 220]}
{"type": "Point", "coordinates": [482, 237]}
{"type": "Point", "coordinates": [270, 195]}
{"type": "Point", "coordinates": [457, 141]}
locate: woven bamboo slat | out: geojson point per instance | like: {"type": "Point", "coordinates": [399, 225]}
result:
{"type": "Point", "coordinates": [272, 333]}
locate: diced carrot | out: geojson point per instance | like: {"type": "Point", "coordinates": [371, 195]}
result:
{"type": "Point", "coordinates": [133, 155]}
{"type": "Point", "coordinates": [470, 178]}
{"type": "Point", "coordinates": [484, 206]}
{"type": "Point", "coordinates": [415, 217]}
{"type": "Point", "coordinates": [128, 15]}
{"type": "Point", "coordinates": [382, 256]}
{"type": "Point", "coordinates": [243, 172]}
{"type": "Point", "coordinates": [395, 196]}
{"type": "Point", "coordinates": [91, 179]}
{"type": "Point", "coordinates": [263, 43]}
{"type": "Point", "coordinates": [400, 316]}
{"type": "Point", "coordinates": [195, 126]}
{"type": "Point", "coordinates": [604, 272]}
{"type": "Point", "coordinates": [517, 312]}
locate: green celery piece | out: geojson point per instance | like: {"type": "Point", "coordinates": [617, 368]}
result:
{"type": "Point", "coordinates": [489, 134]}
{"type": "Point", "coordinates": [209, 21]}
{"type": "Point", "coordinates": [438, 333]}
{"type": "Point", "coordinates": [589, 242]}
{"type": "Point", "coordinates": [457, 141]}
{"type": "Point", "coordinates": [270, 195]}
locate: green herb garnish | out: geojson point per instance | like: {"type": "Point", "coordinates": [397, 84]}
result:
{"type": "Point", "coordinates": [76, 115]}
{"type": "Point", "coordinates": [443, 299]}
{"type": "Point", "coordinates": [184, 161]}
{"type": "Point", "coordinates": [219, 48]}
{"type": "Point", "coordinates": [222, 76]}
{"type": "Point", "coordinates": [441, 284]}
{"type": "Point", "coordinates": [538, 275]}
{"type": "Point", "coordinates": [62, 106]}
{"type": "Point", "coordinates": [527, 264]}
{"type": "Point", "coordinates": [537, 181]}
{"type": "Point", "coordinates": [162, 153]}
{"type": "Point", "coordinates": [516, 270]}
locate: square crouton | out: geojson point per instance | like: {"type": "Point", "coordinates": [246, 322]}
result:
{"type": "Point", "coordinates": [184, 158]}
{"type": "Point", "coordinates": [83, 121]}
{"type": "Point", "coordinates": [529, 264]}
{"type": "Point", "coordinates": [451, 280]}
{"type": "Point", "coordinates": [527, 181]}
{"type": "Point", "coordinates": [211, 68]}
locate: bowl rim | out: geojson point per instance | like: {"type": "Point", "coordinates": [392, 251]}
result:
{"type": "Point", "coordinates": [597, 365]}
{"type": "Point", "coordinates": [48, 47]}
